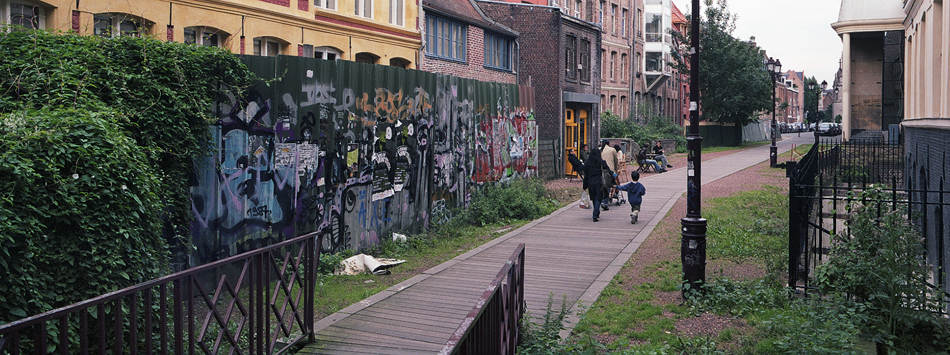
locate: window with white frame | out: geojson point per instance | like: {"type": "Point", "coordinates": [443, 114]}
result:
{"type": "Point", "coordinates": [364, 8]}
{"type": "Point", "coordinates": [326, 4]}
{"type": "Point", "coordinates": [497, 51]}
{"type": "Point", "coordinates": [23, 14]}
{"type": "Point", "coordinates": [203, 36]}
{"type": "Point", "coordinates": [326, 53]}
{"type": "Point", "coordinates": [445, 38]}
{"type": "Point", "coordinates": [267, 47]}
{"type": "Point", "coordinates": [397, 13]}
{"type": "Point", "coordinates": [110, 25]}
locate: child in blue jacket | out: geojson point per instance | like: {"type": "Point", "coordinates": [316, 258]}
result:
{"type": "Point", "coordinates": [634, 191]}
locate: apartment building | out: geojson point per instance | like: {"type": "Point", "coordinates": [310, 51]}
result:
{"type": "Point", "coordinates": [371, 31]}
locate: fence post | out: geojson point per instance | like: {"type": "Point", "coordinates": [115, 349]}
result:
{"type": "Point", "coordinates": [794, 221]}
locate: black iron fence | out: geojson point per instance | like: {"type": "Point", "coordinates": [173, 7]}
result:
{"type": "Point", "coordinates": [492, 325]}
{"type": "Point", "coordinates": [833, 175]}
{"type": "Point", "coordinates": [259, 302]}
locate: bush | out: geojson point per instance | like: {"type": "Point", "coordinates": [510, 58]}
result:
{"type": "Point", "coordinates": [880, 263]}
{"type": "Point", "coordinates": [164, 90]}
{"type": "Point", "coordinates": [77, 213]}
{"type": "Point", "coordinates": [517, 199]}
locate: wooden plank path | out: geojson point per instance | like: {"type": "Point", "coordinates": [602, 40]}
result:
{"type": "Point", "coordinates": [566, 255]}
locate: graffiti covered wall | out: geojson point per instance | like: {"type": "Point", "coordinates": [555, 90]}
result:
{"type": "Point", "coordinates": [353, 150]}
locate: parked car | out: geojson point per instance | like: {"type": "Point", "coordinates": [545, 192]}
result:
{"type": "Point", "coordinates": [828, 129]}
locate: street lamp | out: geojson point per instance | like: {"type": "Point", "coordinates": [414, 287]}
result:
{"type": "Point", "coordinates": [775, 69]}
{"type": "Point", "coordinates": [811, 86]}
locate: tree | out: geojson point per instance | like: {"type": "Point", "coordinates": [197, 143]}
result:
{"type": "Point", "coordinates": [733, 83]}
{"type": "Point", "coordinates": [811, 104]}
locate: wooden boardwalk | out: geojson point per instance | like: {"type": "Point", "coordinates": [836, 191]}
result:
{"type": "Point", "coordinates": [566, 255]}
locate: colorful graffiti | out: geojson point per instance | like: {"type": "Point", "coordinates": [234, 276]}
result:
{"type": "Point", "coordinates": [352, 158]}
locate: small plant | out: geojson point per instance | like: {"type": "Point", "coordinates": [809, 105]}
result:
{"type": "Point", "coordinates": [880, 263]}
{"type": "Point", "coordinates": [543, 338]}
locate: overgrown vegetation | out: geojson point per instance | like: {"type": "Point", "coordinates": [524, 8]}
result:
{"type": "Point", "coordinates": [643, 128]}
{"type": "Point", "coordinates": [99, 138]}
{"type": "Point", "coordinates": [879, 264]}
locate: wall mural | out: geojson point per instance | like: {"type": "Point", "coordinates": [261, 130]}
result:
{"type": "Point", "coordinates": [354, 151]}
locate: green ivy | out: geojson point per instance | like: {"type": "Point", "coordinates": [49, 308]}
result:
{"type": "Point", "coordinates": [130, 112]}
{"type": "Point", "coordinates": [77, 213]}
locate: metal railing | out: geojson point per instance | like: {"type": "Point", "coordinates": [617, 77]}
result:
{"type": "Point", "coordinates": [491, 327]}
{"type": "Point", "coordinates": [830, 177]}
{"type": "Point", "coordinates": [261, 303]}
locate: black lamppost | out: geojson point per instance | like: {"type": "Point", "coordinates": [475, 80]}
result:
{"type": "Point", "coordinates": [811, 86]}
{"type": "Point", "coordinates": [693, 241]}
{"type": "Point", "coordinates": [775, 69]}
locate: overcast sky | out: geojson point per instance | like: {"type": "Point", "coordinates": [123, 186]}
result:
{"type": "Point", "coordinates": [798, 32]}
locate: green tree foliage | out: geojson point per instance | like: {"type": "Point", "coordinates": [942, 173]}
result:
{"type": "Point", "coordinates": [648, 129]}
{"type": "Point", "coordinates": [77, 210]}
{"type": "Point", "coordinates": [734, 85]}
{"type": "Point", "coordinates": [127, 116]}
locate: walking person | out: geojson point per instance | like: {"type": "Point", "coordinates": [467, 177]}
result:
{"type": "Point", "coordinates": [595, 167]}
{"type": "Point", "coordinates": [635, 191]}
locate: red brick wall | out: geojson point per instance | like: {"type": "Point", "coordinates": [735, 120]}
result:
{"type": "Point", "coordinates": [170, 33]}
{"type": "Point", "coordinates": [75, 21]}
{"type": "Point", "coordinates": [300, 50]}
{"type": "Point", "coordinates": [278, 2]}
{"type": "Point", "coordinates": [474, 68]}
{"type": "Point", "coordinates": [303, 5]}
{"type": "Point", "coordinates": [242, 44]}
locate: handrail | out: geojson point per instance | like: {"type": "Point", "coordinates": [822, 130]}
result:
{"type": "Point", "coordinates": [491, 327]}
{"type": "Point", "coordinates": [235, 308]}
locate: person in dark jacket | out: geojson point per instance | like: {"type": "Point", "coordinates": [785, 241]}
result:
{"type": "Point", "coordinates": [635, 191]}
{"type": "Point", "coordinates": [595, 167]}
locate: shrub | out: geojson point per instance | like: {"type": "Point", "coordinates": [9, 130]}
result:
{"type": "Point", "coordinates": [643, 131]}
{"type": "Point", "coordinates": [77, 212]}
{"type": "Point", "coordinates": [165, 91]}
{"type": "Point", "coordinates": [880, 263]}
{"type": "Point", "coordinates": [517, 199]}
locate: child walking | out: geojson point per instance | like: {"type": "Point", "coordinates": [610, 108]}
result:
{"type": "Point", "coordinates": [635, 190]}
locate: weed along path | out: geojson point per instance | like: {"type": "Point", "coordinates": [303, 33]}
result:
{"type": "Point", "coordinates": [567, 257]}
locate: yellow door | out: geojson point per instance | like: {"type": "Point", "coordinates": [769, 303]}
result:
{"type": "Point", "coordinates": [570, 140]}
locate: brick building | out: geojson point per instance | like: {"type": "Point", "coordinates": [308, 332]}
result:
{"type": "Point", "coordinates": [559, 56]}
{"type": "Point", "coordinates": [460, 40]}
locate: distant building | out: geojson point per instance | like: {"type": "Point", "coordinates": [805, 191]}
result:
{"type": "Point", "coordinates": [357, 30]}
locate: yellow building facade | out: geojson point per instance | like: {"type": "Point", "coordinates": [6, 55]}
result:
{"type": "Point", "coordinates": [375, 31]}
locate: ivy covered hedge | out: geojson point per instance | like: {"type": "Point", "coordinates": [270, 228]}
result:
{"type": "Point", "coordinates": [98, 144]}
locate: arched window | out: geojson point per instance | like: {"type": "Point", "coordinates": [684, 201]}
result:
{"type": "Point", "coordinates": [366, 57]}
{"type": "Point", "coordinates": [205, 36]}
{"type": "Point", "coordinates": [327, 53]}
{"type": "Point", "coordinates": [268, 46]}
{"type": "Point", "coordinates": [25, 14]}
{"type": "Point", "coordinates": [399, 63]}
{"type": "Point", "coordinates": [111, 25]}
